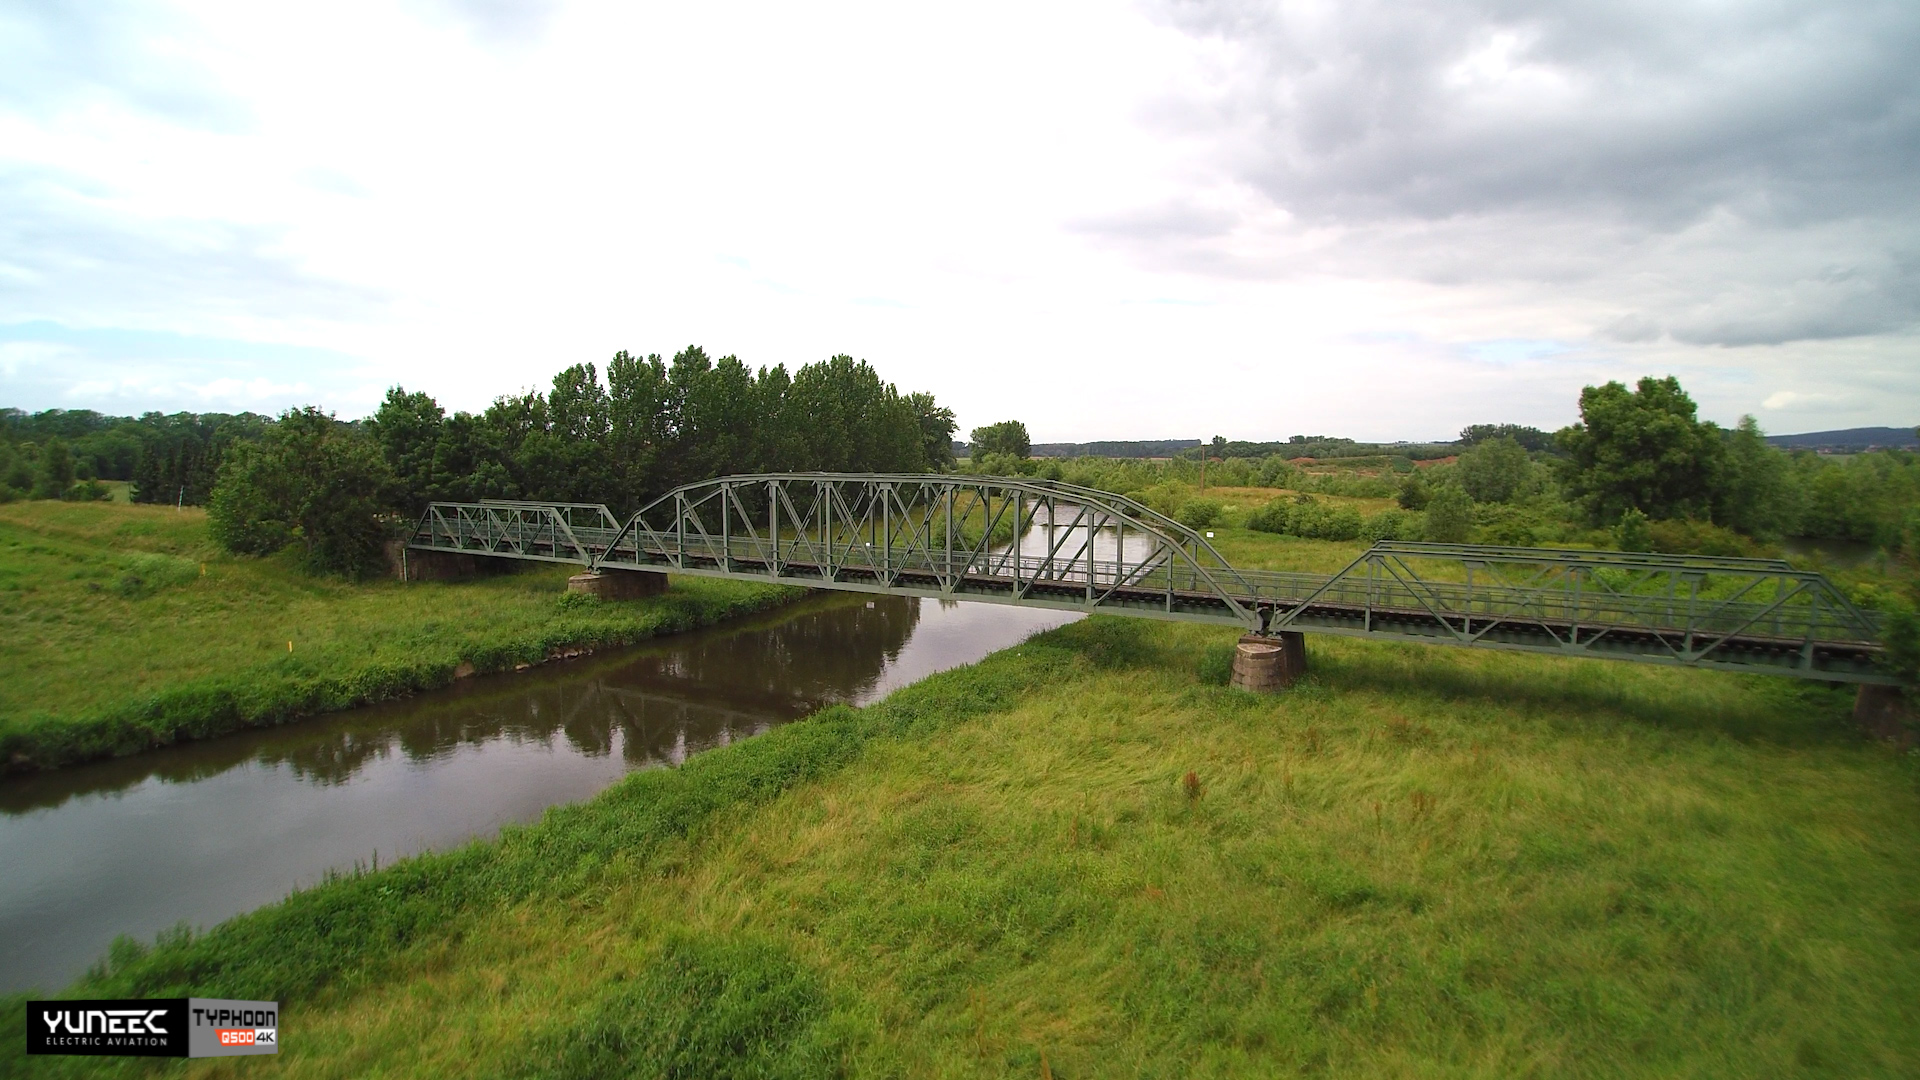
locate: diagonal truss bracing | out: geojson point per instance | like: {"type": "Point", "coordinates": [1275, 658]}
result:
{"type": "Point", "coordinates": [1048, 544]}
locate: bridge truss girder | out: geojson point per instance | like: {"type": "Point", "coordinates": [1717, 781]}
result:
{"type": "Point", "coordinates": [945, 536]}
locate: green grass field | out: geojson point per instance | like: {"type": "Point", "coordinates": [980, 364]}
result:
{"type": "Point", "coordinates": [123, 627]}
{"type": "Point", "coordinates": [1419, 862]}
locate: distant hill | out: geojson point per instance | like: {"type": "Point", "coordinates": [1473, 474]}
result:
{"type": "Point", "coordinates": [1137, 448]}
{"type": "Point", "coordinates": [1849, 440]}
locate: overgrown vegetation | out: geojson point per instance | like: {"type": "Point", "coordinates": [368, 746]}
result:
{"type": "Point", "coordinates": [1640, 472]}
{"type": "Point", "coordinates": [125, 627]}
{"type": "Point", "coordinates": [1086, 856]}
{"type": "Point", "coordinates": [334, 488]}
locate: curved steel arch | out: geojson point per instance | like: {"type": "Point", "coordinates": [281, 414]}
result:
{"type": "Point", "coordinates": [937, 535]}
{"type": "Point", "coordinates": [972, 537]}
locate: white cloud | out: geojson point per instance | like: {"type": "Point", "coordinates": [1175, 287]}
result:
{"type": "Point", "coordinates": [1110, 222]}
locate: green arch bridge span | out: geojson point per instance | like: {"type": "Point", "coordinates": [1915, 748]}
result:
{"type": "Point", "coordinates": [1047, 544]}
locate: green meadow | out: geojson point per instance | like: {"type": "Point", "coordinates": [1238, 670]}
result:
{"type": "Point", "coordinates": [1085, 856]}
{"type": "Point", "coordinates": [124, 627]}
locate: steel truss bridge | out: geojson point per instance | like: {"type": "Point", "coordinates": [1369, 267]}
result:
{"type": "Point", "coordinates": [1046, 544]}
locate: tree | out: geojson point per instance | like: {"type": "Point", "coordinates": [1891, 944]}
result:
{"type": "Point", "coordinates": [1414, 492]}
{"type": "Point", "coordinates": [1449, 516]}
{"type": "Point", "coordinates": [1495, 471]}
{"type": "Point", "coordinates": [936, 431]}
{"type": "Point", "coordinates": [1006, 437]}
{"type": "Point", "coordinates": [1754, 497]}
{"type": "Point", "coordinates": [849, 420]}
{"type": "Point", "coordinates": [1529, 438]}
{"type": "Point", "coordinates": [309, 479]}
{"type": "Point", "coordinates": [56, 470]}
{"type": "Point", "coordinates": [637, 427]}
{"type": "Point", "coordinates": [407, 427]}
{"type": "Point", "coordinates": [1641, 449]}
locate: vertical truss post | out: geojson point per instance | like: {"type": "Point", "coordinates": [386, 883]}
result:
{"type": "Point", "coordinates": [726, 532]}
{"type": "Point", "coordinates": [774, 560]}
{"type": "Point", "coordinates": [826, 531]}
{"type": "Point", "coordinates": [680, 529]}
{"type": "Point", "coordinates": [1019, 515]}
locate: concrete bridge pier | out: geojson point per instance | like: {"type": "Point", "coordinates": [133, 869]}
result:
{"type": "Point", "coordinates": [1268, 664]}
{"type": "Point", "coordinates": [610, 584]}
{"type": "Point", "coordinates": [1885, 712]}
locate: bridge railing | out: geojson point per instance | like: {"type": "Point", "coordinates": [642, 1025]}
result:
{"type": "Point", "coordinates": [1017, 541]}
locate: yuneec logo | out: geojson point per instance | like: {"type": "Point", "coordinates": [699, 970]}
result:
{"type": "Point", "coordinates": [174, 1027]}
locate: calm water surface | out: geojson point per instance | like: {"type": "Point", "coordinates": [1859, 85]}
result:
{"type": "Point", "coordinates": [202, 831]}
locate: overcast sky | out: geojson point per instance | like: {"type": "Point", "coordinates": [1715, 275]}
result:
{"type": "Point", "coordinates": [1109, 220]}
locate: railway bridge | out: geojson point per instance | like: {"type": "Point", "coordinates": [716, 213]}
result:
{"type": "Point", "coordinates": [1046, 544]}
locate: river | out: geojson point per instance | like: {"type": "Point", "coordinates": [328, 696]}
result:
{"type": "Point", "coordinates": [201, 831]}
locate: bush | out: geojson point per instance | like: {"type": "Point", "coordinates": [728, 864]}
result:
{"type": "Point", "coordinates": [1495, 471]}
{"type": "Point", "coordinates": [1392, 525]}
{"type": "Point", "coordinates": [1165, 498]}
{"type": "Point", "coordinates": [1509, 526]}
{"type": "Point", "coordinates": [1698, 538]}
{"type": "Point", "coordinates": [309, 478]}
{"type": "Point", "coordinates": [1449, 516]}
{"type": "Point", "coordinates": [1276, 472]}
{"type": "Point", "coordinates": [1901, 636]}
{"type": "Point", "coordinates": [1633, 533]}
{"type": "Point", "coordinates": [1273, 517]}
{"type": "Point", "coordinates": [1414, 492]}
{"type": "Point", "coordinates": [1199, 513]}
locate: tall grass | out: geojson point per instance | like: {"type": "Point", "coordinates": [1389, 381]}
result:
{"type": "Point", "coordinates": [1087, 856]}
{"type": "Point", "coordinates": [122, 628]}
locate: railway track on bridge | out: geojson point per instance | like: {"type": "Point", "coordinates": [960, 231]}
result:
{"type": "Point", "coordinates": [1043, 544]}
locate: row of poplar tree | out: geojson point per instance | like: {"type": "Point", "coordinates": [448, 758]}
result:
{"type": "Point", "coordinates": [647, 427]}
{"type": "Point", "coordinates": [651, 425]}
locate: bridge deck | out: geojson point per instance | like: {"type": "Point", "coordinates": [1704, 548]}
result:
{"type": "Point", "coordinates": [1751, 615]}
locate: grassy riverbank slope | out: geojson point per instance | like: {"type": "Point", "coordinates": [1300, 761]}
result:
{"type": "Point", "coordinates": [124, 627]}
{"type": "Point", "coordinates": [1421, 862]}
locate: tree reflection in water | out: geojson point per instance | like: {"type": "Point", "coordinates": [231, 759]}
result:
{"type": "Point", "coordinates": [654, 704]}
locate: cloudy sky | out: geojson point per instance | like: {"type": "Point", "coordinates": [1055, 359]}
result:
{"type": "Point", "coordinates": [1110, 220]}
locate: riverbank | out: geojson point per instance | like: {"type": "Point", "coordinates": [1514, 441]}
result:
{"type": "Point", "coordinates": [1086, 856]}
{"type": "Point", "coordinates": [124, 627]}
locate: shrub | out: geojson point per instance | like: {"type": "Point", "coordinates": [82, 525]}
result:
{"type": "Point", "coordinates": [309, 478]}
{"type": "Point", "coordinates": [1449, 516]}
{"type": "Point", "coordinates": [1509, 526]}
{"type": "Point", "coordinates": [1495, 471]}
{"type": "Point", "coordinates": [1319, 521]}
{"type": "Point", "coordinates": [1699, 538]}
{"type": "Point", "coordinates": [1391, 525]}
{"type": "Point", "coordinates": [1414, 492]}
{"type": "Point", "coordinates": [1632, 533]}
{"type": "Point", "coordinates": [1199, 513]}
{"type": "Point", "coordinates": [1276, 471]}
{"type": "Point", "coordinates": [1273, 517]}
{"type": "Point", "coordinates": [1305, 516]}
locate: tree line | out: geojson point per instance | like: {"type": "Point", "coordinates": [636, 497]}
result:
{"type": "Point", "coordinates": [67, 453]}
{"type": "Point", "coordinates": [623, 438]}
{"type": "Point", "coordinates": [1639, 469]}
